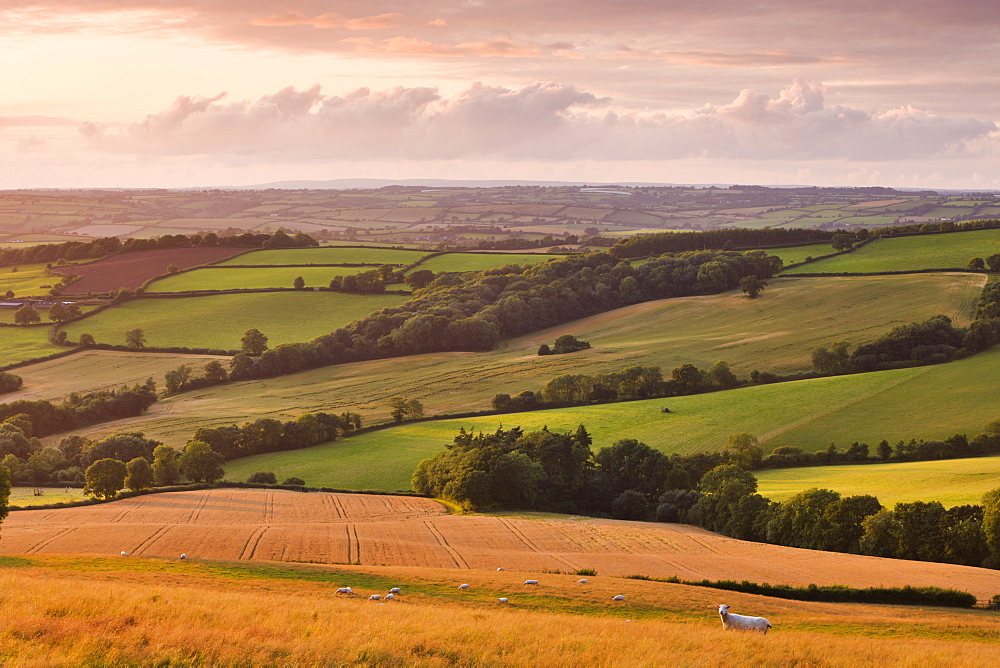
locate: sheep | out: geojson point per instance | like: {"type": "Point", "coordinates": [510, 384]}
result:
{"type": "Point", "coordinates": [618, 597]}
{"type": "Point", "coordinates": [463, 586]}
{"type": "Point", "coordinates": [531, 582]}
{"type": "Point", "coordinates": [375, 597]}
{"type": "Point", "coordinates": [742, 622]}
{"type": "Point", "coordinates": [183, 557]}
{"type": "Point", "coordinates": [500, 569]}
{"type": "Point", "coordinates": [345, 590]}
{"type": "Point", "coordinates": [582, 581]}
{"type": "Point", "coordinates": [124, 553]}
{"type": "Point", "coordinates": [390, 597]}
{"type": "Point", "coordinates": [503, 600]}
{"type": "Point", "coordinates": [395, 590]}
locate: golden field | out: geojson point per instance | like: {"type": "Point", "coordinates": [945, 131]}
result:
{"type": "Point", "coordinates": [394, 531]}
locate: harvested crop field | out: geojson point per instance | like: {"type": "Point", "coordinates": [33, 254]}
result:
{"type": "Point", "coordinates": [275, 525]}
{"type": "Point", "coordinates": [131, 270]}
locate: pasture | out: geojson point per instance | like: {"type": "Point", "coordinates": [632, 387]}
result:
{"type": "Point", "coordinates": [774, 332]}
{"type": "Point", "coordinates": [100, 611]}
{"type": "Point", "coordinates": [928, 251]}
{"type": "Point", "coordinates": [27, 280]}
{"type": "Point", "coordinates": [327, 255]}
{"type": "Point", "coordinates": [810, 414]}
{"type": "Point", "coordinates": [18, 344]}
{"type": "Point", "coordinates": [263, 525]}
{"type": "Point", "coordinates": [953, 482]}
{"type": "Point", "coordinates": [219, 321]}
{"type": "Point", "coordinates": [458, 262]}
{"type": "Point", "coordinates": [236, 278]}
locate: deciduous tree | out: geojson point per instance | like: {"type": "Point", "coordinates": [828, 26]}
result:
{"type": "Point", "coordinates": [200, 463]}
{"type": "Point", "coordinates": [105, 478]}
{"type": "Point", "coordinates": [254, 343]}
{"type": "Point", "coordinates": [166, 469]}
{"type": "Point", "coordinates": [135, 338]}
{"type": "Point", "coordinates": [138, 474]}
{"type": "Point", "coordinates": [26, 315]}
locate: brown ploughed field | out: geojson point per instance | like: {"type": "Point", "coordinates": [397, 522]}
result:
{"type": "Point", "coordinates": [275, 525]}
{"type": "Point", "coordinates": [131, 270]}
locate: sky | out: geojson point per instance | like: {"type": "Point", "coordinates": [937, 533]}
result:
{"type": "Point", "coordinates": [202, 93]}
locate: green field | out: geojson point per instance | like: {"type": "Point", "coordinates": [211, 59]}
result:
{"type": "Point", "coordinates": [929, 251]}
{"type": "Point", "coordinates": [774, 332]}
{"type": "Point", "coordinates": [24, 343]}
{"type": "Point", "coordinates": [810, 414]}
{"type": "Point", "coordinates": [797, 254]}
{"type": "Point", "coordinates": [219, 321]}
{"type": "Point", "coordinates": [328, 255]}
{"type": "Point", "coordinates": [454, 262]}
{"type": "Point", "coordinates": [953, 482]}
{"type": "Point", "coordinates": [27, 281]}
{"type": "Point", "coordinates": [237, 278]}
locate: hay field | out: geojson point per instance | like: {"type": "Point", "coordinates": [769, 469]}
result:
{"type": "Point", "coordinates": [931, 251]}
{"type": "Point", "coordinates": [236, 278]}
{"type": "Point", "coordinates": [219, 321]}
{"type": "Point", "coordinates": [27, 281]}
{"type": "Point", "coordinates": [953, 482]}
{"type": "Point", "coordinates": [372, 530]}
{"type": "Point", "coordinates": [91, 370]}
{"type": "Point", "coordinates": [87, 611]}
{"type": "Point", "coordinates": [328, 255]}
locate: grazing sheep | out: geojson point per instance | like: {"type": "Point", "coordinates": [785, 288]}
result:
{"type": "Point", "coordinates": [124, 554]}
{"type": "Point", "coordinates": [618, 597]}
{"type": "Point", "coordinates": [500, 569]}
{"type": "Point", "coordinates": [742, 622]}
{"type": "Point", "coordinates": [531, 582]}
{"type": "Point", "coordinates": [183, 557]}
{"type": "Point", "coordinates": [582, 581]}
{"type": "Point", "coordinates": [345, 590]}
{"type": "Point", "coordinates": [463, 586]}
{"type": "Point", "coordinates": [390, 597]}
{"type": "Point", "coordinates": [503, 600]}
{"type": "Point", "coordinates": [395, 590]}
{"type": "Point", "coordinates": [375, 597]}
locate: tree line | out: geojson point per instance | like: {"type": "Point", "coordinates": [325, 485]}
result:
{"type": "Point", "coordinates": [737, 237]}
{"type": "Point", "coordinates": [96, 248]}
{"type": "Point", "coordinates": [475, 311]}
{"type": "Point", "coordinates": [629, 480]}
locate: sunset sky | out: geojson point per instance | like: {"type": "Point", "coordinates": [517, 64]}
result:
{"type": "Point", "coordinates": [176, 93]}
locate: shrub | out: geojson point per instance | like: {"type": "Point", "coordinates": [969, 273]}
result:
{"type": "Point", "coordinates": [263, 478]}
{"type": "Point", "coordinates": [294, 481]}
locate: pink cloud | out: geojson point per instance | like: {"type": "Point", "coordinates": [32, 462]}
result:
{"type": "Point", "coordinates": [545, 121]}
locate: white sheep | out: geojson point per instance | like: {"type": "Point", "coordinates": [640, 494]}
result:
{"type": "Point", "coordinates": [463, 586]}
{"type": "Point", "coordinates": [531, 582]}
{"type": "Point", "coordinates": [124, 554]}
{"type": "Point", "coordinates": [503, 600]}
{"type": "Point", "coordinates": [618, 597]}
{"type": "Point", "coordinates": [500, 569]}
{"type": "Point", "coordinates": [395, 590]}
{"type": "Point", "coordinates": [375, 597]}
{"type": "Point", "coordinates": [582, 581]}
{"type": "Point", "coordinates": [390, 597]}
{"type": "Point", "coordinates": [345, 590]}
{"type": "Point", "coordinates": [183, 557]}
{"type": "Point", "coordinates": [742, 622]}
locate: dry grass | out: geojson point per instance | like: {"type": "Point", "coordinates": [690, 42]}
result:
{"type": "Point", "coordinates": [269, 525]}
{"type": "Point", "coordinates": [78, 612]}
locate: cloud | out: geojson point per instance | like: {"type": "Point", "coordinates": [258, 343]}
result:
{"type": "Point", "coordinates": [331, 20]}
{"type": "Point", "coordinates": [545, 121]}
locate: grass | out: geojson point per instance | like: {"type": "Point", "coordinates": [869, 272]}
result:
{"type": "Point", "coordinates": [18, 344]}
{"type": "Point", "coordinates": [219, 321]}
{"type": "Point", "coordinates": [797, 254]}
{"type": "Point", "coordinates": [27, 281]}
{"type": "Point", "coordinates": [455, 262]}
{"type": "Point", "coordinates": [810, 414]}
{"type": "Point", "coordinates": [25, 496]}
{"type": "Point", "coordinates": [328, 255]}
{"type": "Point", "coordinates": [952, 482]}
{"type": "Point", "coordinates": [237, 278]}
{"type": "Point", "coordinates": [775, 332]}
{"type": "Point", "coordinates": [931, 251]}
{"type": "Point", "coordinates": [91, 370]}
{"type": "Point", "coordinates": [89, 611]}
